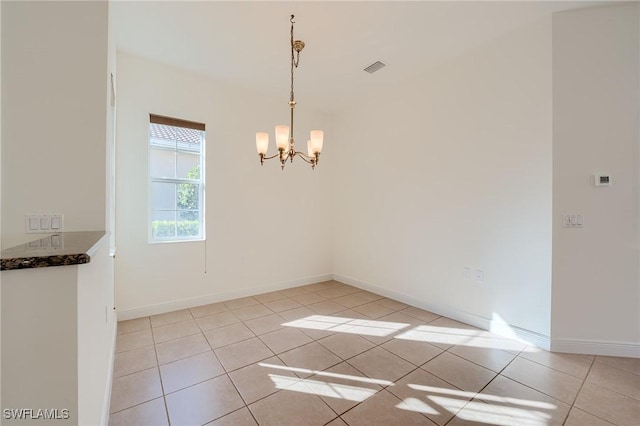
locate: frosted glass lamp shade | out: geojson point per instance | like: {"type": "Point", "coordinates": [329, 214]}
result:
{"type": "Point", "coordinates": [282, 137]}
{"type": "Point", "coordinates": [262, 142]}
{"type": "Point", "coordinates": [310, 152]}
{"type": "Point", "coordinates": [317, 138]}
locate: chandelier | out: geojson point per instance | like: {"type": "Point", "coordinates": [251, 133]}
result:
{"type": "Point", "coordinates": [284, 134]}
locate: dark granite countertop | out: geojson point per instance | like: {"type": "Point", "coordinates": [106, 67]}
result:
{"type": "Point", "coordinates": [65, 248]}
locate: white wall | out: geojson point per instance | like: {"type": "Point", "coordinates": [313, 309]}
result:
{"type": "Point", "coordinates": [53, 114]}
{"type": "Point", "coordinates": [96, 336]}
{"type": "Point", "coordinates": [40, 341]}
{"type": "Point", "coordinates": [453, 170]}
{"type": "Point", "coordinates": [596, 285]}
{"type": "Point", "coordinates": [266, 228]}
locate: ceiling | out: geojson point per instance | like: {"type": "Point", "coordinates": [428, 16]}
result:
{"type": "Point", "coordinates": [248, 42]}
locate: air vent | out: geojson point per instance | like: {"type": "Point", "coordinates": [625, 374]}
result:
{"type": "Point", "coordinates": [375, 67]}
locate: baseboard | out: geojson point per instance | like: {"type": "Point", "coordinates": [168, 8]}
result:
{"type": "Point", "coordinates": [621, 349]}
{"type": "Point", "coordinates": [106, 405]}
{"type": "Point", "coordinates": [528, 336]}
{"type": "Point", "coordinates": [191, 302]}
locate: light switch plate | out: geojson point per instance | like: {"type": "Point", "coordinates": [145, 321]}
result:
{"type": "Point", "coordinates": [43, 223]}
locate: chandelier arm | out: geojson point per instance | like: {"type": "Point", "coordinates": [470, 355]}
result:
{"type": "Point", "coordinates": [273, 156]}
{"type": "Point", "coordinates": [306, 158]}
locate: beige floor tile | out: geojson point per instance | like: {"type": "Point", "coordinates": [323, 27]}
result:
{"type": "Point", "coordinates": [266, 324]}
{"type": "Point", "coordinates": [424, 393]}
{"type": "Point", "coordinates": [384, 409]}
{"type": "Point", "coordinates": [282, 305]}
{"type": "Point", "coordinates": [242, 302]}
{"type": "Point", "coordinates": [608, 405]}
{"type": "Point", "coordinates": [371, 297]}
{"type": "Point", "coordinates": [401, 318]}
{"type": "Point", "coordinates": [459, 372]}
{"type": "Point", "coordinates": [346, 345]}
{"type": "Point", "coordinates": [189, 371]}
{"type": "Point", "coordinates": [149, 413]}
{"type": "Point", "coordinates": [378, 363]}
{"type": "Point", "coordinates": [206, 310]}
{"type": "Point", "coordinates": [333, 284]}
{"type": "Point", "coordinates": [327, 307]}
{"type": "Point", "coordinates": [132, 325]}
{"type": "Point", "coordinates": [559, 385]}
{"type": "Point", "coordinates": [227, 335]}
{"type": "Point", "coordinates": [308, 299]}
{"type": "Point", "coordinates": [241, 417]}
{"type": "Point", "coordinates": [337, 422]}
{"type": "Point", "coordinates": [270, 297]}
{"type": "Point", "coordinates": [296, 314]}
{"type": "Point", "coordinates": [331, 293]}
{"type": "Point", "coordinates": [133, 389]}
{"type": "Point", "coordinates": [170, 318]}
{"type": "Point", "coordinates": [261, 379]}
{"type": "Point", "coordinates": [493, 359]}
{"type": "Point", "coordinates": [523, 401]}
{"type": "Point", "coordinates": [309, 358]}
{"type": "Point", "coordinates": [351, 300]}
{"type": "Point", "coordinates": [426, 333]}
{"type": "Point", "coordinates": [342, 387]}
{"type": "Point", "coordinates": [351, 314]}
{"type": "Point", "coordinates": [575, 365]}
{"type": "Point", "coordinates": [349, 289]}
{"type": "Point", "coordinates": [578, 417]}
{"type": "Point", "coordinates": [216, 320]}
{"type": "Point", "coordinates": [628, 364]}
{"type": "Point", "coordinates": [251, 312]}
{"type": "Point", "coordinates": [373, 310]}
{"type": "Point", "coordinates": [415, 352]}
{"type": "Point", "coordinates": [134, 340]}
{"type": "Point", "coordinates": [479, 413]}
{"type": "Point", "coordinates": [291, 408]}
{"type": "Point", "coordinates": [135, 360]}
{"type": "Point", "coordinates": [295, 291]}
{"type": "Point", "coordinates": [181, 348]}
{"type": "Point", "coordinates": [243, 353]}
{"type": "Point", "coordinates": [316, 334]}
{"type": "Point", "coordinates": [175, 331]}
{"type": "Point", "coordinates": [317, 287]}
{"type": "Point", "coordinates": [392, 304]}
{"type": "Point", "coordinates": [620, 381]}
{"type": "Point", "coordinates": [204, 402]}
{"type": "Point", "coordinates": [285, 339]}
{"type": "Point", "coordinates": [420, 314]}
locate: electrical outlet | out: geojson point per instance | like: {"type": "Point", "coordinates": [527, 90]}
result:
{"type": "Point", "coordinates": [479, 276]}
{"type": "Point", "coordinates": [466, 272]}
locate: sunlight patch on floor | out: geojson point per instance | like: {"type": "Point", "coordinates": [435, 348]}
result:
{"type": "Point", "coordinates": [328, 374]}
{"type": "Point", "coordinates": [484, 397]}
{"type": "Point", "coordinates": [417, 405]}
{"type": "Point", "coordinates": [460, 336]}
{"type": "Point", "coordinates": [320, 388]}
{"type": "Point", "coordinates": [493, 414]}
{"type": "Point", "coordinates": [348, 325]}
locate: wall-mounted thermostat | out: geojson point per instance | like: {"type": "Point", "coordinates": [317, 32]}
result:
{"type": "Point", "coordinates": [602, 180]}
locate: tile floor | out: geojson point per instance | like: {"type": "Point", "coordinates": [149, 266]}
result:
{"type": "Point", "coordinates": [332, 354]}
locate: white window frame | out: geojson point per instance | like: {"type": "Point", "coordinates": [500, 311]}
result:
{"type": "Point", "coordinates": [200, 182]}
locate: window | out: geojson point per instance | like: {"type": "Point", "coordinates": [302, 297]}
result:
{"type": "Point", "coordinates": [176, 179]}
